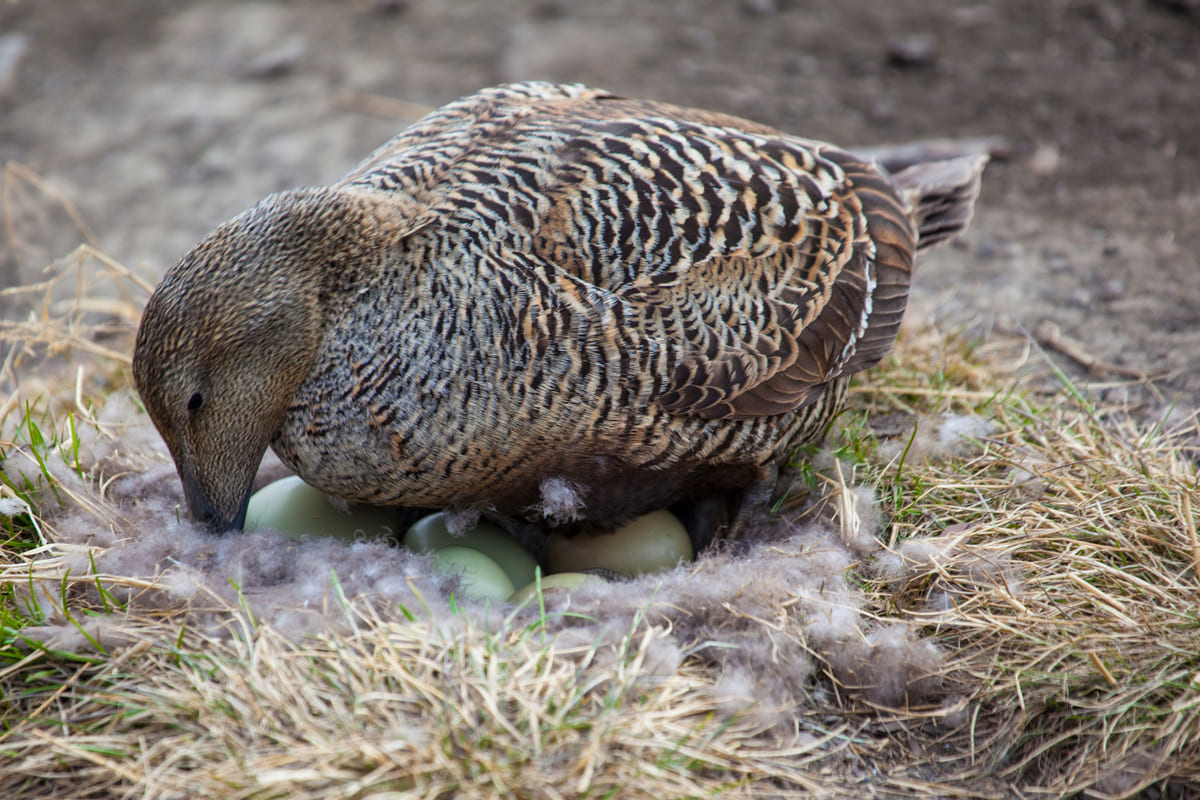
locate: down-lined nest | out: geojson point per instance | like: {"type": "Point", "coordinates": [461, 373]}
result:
{"type": "Point", "coordinates": [1000, 601]}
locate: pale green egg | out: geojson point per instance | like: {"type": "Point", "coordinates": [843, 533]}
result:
{"type": "Point", "coordinates": [650, 543]}
{"type": "Point", "coordinates": [558, 582]}
{"type": "Point", "coordinates": [429, 534]}
{"type": "Point", "coordinates": [293, 507]}
{"type": "Point", "coordinates": [482, 578]}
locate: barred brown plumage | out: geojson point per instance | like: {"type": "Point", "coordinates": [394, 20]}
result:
{"type": "Point", "coordinates": [539, 283]}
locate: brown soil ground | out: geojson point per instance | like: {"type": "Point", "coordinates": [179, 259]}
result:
{"type": "Point", "coordinates": [159, 120]}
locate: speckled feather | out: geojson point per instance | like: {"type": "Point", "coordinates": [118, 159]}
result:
{"type": "Point", "coordinates": [545, 282]}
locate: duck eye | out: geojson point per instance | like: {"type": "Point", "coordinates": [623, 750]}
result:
{"type": "Point", "coordinates": [195, 402]}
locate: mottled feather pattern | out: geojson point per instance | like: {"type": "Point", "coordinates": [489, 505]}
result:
{"type": "Point", "coordinates": [667, 267]}
{"type": "Point", "coordinates": [647, 301]}
{"type": "Point", "coordinates": [678, 218]}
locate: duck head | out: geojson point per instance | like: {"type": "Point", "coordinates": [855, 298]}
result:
{"type": "Point", "coordinates": [232, 331]}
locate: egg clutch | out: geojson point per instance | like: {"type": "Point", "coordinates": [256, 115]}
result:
{"type": "Point", "coordinates": [491, 564]}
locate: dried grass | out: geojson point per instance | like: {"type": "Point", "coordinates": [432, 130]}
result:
{"type": "Point", "coordinates": [1057, 564]}
{"type": "Point", "coordinates": [1089, 676]}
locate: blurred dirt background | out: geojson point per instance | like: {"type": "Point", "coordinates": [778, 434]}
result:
{"type": "Point", "coordinates": [158, 120]}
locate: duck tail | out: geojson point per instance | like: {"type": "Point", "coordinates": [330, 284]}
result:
{"type": "Point", "coordinates": [942, 195]}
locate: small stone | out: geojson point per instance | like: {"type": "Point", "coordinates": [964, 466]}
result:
{"type": "Point", "coordinates": [1110, 16]}
{"type": "Point", "coordinates": [1045, 159]}
{"type": "Point", "coordinates": [1117, 396]}
{"type": "Point", "coordinates": [13, 49]}
{"type": "Point", "coordinates": [1181, 6]}
{"type": "Point", "coordinates": [973, 16]}
{"type": "Point", "coordinates": [389, 7]}
{"type": "Point", "coordinates": [1057, 262]}
{"type": "Point", "coordinates": [801, 65]}
{"type": "Point", "coordinates": [278, 61]}
{"type": "Point", "coordinates": [1112, 289]}
{"type": "Point", "coordinates": [917, 50]}
{"type": "Point", "coordinates": [549, 10]}
{"type": "Point", "coordinates": [762, 8]}
{"type": "Point", "coordinates": [1079, 297]}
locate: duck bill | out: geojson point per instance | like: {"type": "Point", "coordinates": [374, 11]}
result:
{"type": "Point", "coordinates": [220, 517]}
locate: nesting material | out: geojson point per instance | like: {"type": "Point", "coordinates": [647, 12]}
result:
{"type": "Point", "coordinates": [562, 501]}
{"type": "Point", "coordinates": [932, 575]}
{"type": "Point", "coordinates": [784, 608]}
{"type": "Point", "coordinates": [947, 435]}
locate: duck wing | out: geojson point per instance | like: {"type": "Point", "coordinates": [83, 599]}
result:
{"type": "Point", "coordinates": [768, 265]}
{"type": "Point", "coordinates": [763, 266]}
